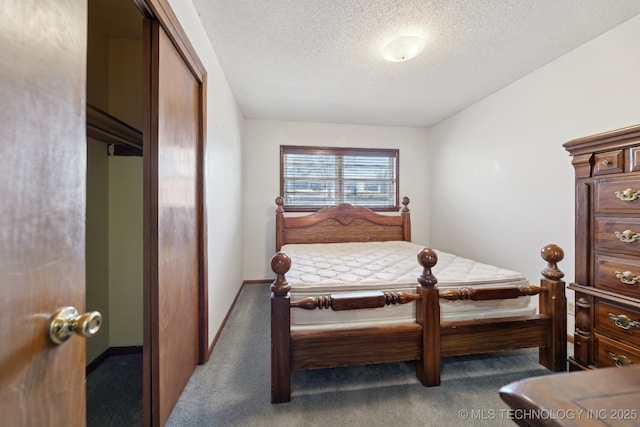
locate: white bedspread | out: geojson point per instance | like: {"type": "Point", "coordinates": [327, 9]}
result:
{"type": "Point", "coordinates": [324, 268]}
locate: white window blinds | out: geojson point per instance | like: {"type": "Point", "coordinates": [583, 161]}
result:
{"type": "Point", "coordinates": [313, 177]}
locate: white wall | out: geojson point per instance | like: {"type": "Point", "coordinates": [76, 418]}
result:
{"type": "Point", "coordinates": [261, 176]}
{"type": "Point", "coordinates": [502, 182]}
{"type": "Point", "coordinates": [126, 81]}
{"type": "Point", "coordinates": [126, 252]}
{"type": "Point", "coordinates": [223, 174]}
{"type": "Point", "coordinates": [97, 244]}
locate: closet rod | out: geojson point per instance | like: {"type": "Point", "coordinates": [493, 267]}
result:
{"type": "Point", "coordinates": [106, 128]}
{"type": "Point", "coordinates": [108, 137]}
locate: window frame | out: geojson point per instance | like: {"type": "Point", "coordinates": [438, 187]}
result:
{"type": "Point", "coordinates": [341, 151]}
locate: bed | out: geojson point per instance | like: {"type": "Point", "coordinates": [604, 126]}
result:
{"type": "Point", "coordinates": [351, 288]}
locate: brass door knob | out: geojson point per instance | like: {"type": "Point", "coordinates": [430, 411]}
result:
{"type": "Point", "coordinates": [66, 321]}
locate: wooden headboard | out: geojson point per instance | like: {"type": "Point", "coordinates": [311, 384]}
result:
{"type": "Point", "coordinates": [340, 224]}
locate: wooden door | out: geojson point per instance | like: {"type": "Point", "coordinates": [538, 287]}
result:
{"type": "Point", "coordinates": [42, 208]}
{"type": "Point", "coordinates": [172, 146]}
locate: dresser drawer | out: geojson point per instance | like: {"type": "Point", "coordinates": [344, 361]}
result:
{"type": "Point", "coordinates": [617, 195]}
{"type": "Point", "coordinates": [608, 162]}
{"type": "Point", "coordinates": [634, 159]}
{"type": "Point", "coordinates": [620, 275]}
{"type": "Point", "coordinates": [618, 322]}
{"type": "Point", "coordinates": [617, 233]}
{"type": "Point", "coordinates": [613, 353]}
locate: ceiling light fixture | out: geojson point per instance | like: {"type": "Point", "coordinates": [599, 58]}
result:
{"type": "Point", "coordinates": [403, 48]}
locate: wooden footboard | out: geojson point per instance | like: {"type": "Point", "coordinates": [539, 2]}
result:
{"type": "Point", "coordinates": [427, 340]}
{"type": "Point", "coordinates": [546, 330]}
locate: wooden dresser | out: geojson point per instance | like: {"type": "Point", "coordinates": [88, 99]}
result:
{"type": "Point", "coordinates": [607, 249]}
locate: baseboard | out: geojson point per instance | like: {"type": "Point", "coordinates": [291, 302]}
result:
{"type": "Point", "coordinates": [97, 361]}
{"type": "Point", "coordinates": [257, 281]}
{"type": "Point", "coordinates": [226, 318]}
{"type": "Point", "coordinates": [112, 351]}
{"type": "Point", "coordinates": [117, 351]}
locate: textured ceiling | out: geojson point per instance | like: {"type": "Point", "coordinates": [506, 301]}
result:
{"type": "Point", "coordinates": [320, 60]}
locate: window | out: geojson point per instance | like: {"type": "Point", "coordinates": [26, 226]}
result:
{"type": "Point", "coordinates": [313, 177]}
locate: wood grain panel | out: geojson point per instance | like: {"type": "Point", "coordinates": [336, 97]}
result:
{"type": "Point", "coordinates": [280, 350]}
{"type": "Point", "coordinates": [42, 232]}
{"type": "Point", "coordinates": [583, 258]}
{"type": "Point", "coordinates": [608, 162]}
{"type": "Point", "coordinates": [612, 353]}
{"type": "Point", "coordinates": [606, 200]}
{"type": "Point", "coordinates": [618, 234]}
{"type": "Point", "coordinates": [608, 268]}
{"type": "Point", "coordinates": [341, 224]}
{"type": "Point", "coordinates": [595, 398]}
{"type": "Point", "coordinates": [325, 349]}
{"type": "Point", "coordinates": [177, 224]}
{"type": "Point", "coordinates": [553, 303]}
{"type": "Point", "coordinates": [483, 336]}
{"type": "Point", "coordinates": [634, 159]}
{"type": "Point", "coordinates": [604, 323]}
{"type": "Point", "coordinates": [331, 231]}
{"type": "Point", "coordinates": [171, 168]}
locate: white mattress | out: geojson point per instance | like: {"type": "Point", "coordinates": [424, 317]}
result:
{"type": "Point", "coordinates": [326, 268]}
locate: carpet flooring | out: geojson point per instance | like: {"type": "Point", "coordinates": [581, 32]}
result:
{"type": "Point", "coordinates": [233, 388]}
{"type": "Point", "coordinates": [114, 392]}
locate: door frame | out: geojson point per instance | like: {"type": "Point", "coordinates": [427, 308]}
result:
{"type": "Point", "coordinates": [160, 11]}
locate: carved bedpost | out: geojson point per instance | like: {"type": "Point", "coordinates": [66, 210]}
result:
{"type": "Point", "coordinates": [406, 220]}
{"type": "Point", "coordinates": [553, 303]}
{"type": "Point", "coordinates": [280, 330]}
{"type": "Point", "coordinates": [279, 223]}
{"type": "Point", "coordinates": [428, 315]}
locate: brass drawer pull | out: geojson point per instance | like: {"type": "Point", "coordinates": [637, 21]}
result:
{"type": "Point", "coordinates": [623, 322]}
{"type": "Point", "coordinates": [628, 195]}
{"type": "Point", "coordinates": [627, 236]}
{"type": "Point", "coordinates": [619, 360]}
{"type": "Point", "coordinates": [628, 278]}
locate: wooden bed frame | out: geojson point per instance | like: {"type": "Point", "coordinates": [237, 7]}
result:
{"type": "Point", "coordinates": [428, 339]}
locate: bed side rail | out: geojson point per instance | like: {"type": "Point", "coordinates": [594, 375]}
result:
{"type": "Point", "coordinates": [550, 253]}
{"type": "Point", "coordinates": [486, 294]}
{"type": "Point", "coordinates": [355, 300]}
{"type": "Point", "coordinates": [378, 299]}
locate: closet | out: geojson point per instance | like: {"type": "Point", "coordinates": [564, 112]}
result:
{"type": "Point", "coordinates": [145, 74]}
{"type": "Point", "coordinates": [115, 115]}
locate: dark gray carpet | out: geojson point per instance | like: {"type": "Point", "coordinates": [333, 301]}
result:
{"type": "Point", "coordinates": [114, 392]}
{"type": "Point", "coordinates": [233, 388]}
